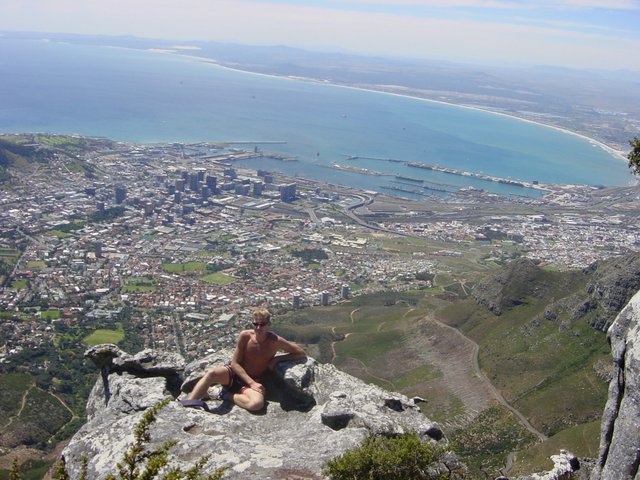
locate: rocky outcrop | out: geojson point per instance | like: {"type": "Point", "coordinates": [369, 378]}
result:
{"type": "Point", "coordinates": [314, 412]}
{"type": "Point", "coordinates": [611, 285]}
{"type": "Point", "coordinates": [602, 290]}
{"type": "Point", "coordinates": [619, 455]}
{"type": "Point", "coordinates": [505, 290]}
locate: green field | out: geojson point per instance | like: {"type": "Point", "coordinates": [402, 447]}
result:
{"type": "Point", "coordinates": [139, 285]}
{"type": "Point", "coordinates": [105, 336]}
{"type": "Point", "coordinates": [217, 278]}
{"type": "Point", "coordinates": [36, 264]}
{"type": "Point", "coordinates": [50, 314]}
{"type": "Point", "coordinates": [198, 267]}
{"type": "Point", "coordinates": [19, 284]}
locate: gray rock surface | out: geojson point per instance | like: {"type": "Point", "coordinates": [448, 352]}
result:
{"type": "Point", "coordinates": [314, 412]}
{"type": "Point", "coordinates": [619, 455]}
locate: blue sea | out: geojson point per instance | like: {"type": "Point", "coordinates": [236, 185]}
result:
{"type": "Point", "coordinates": [145, 96]}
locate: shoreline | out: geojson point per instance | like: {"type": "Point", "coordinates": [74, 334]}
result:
{"type": "Point", "coordinates": [618, 154]}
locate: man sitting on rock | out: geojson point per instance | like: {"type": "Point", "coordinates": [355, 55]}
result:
{"type": "Point", "coordinates": [255, 353]}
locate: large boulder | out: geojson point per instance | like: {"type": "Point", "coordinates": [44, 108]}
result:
{"type": "Point", "coordinates": [619, 455]}
{"type": "Point", "coordinates": [314, 412]}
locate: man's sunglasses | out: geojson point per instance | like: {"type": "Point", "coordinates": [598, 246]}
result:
{"type": "Point", "coordinates": [260, 324]}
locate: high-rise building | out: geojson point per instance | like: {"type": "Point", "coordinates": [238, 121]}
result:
{"type": "Point", "coordinates": [295, 300]}
{"type": "Point", "coordinates": [324, 298]}
{"type": "Point", "coordinates": [242, 189]}
{"type": "Point", "coordinates": [205, 192]}
{"type": "Point", "coordinates": [121, 194]}
{"type": "Point", "coordinates": [177, 197]}
{"type": "Point", "coordinates": [179, 183]}
{"type": "Point", "coordinates": [98, 249]}
{"type": "Point", "coordinates": [258, 187]}
{"type": "Point", "coordinates": [193, 182]}
{"type": "Point", "coordinates": [344, 291]}
{"type": "Point", "coordinates": [288, 192]}
{"type": "Point", "coordinates": [211, 183]}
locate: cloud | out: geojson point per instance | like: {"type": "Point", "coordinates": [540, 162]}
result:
{"type": "Point", "coordinates": [464, 36]}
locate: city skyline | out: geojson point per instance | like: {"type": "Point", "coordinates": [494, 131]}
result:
{"type": "Point", "coordinates": [573, 33]}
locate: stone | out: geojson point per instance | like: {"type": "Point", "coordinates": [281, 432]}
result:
{"type": "Point", "coordinates": [313, 413]}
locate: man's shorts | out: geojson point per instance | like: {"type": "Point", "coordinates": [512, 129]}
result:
{"type": "Point", "coordinates": [236, 384]}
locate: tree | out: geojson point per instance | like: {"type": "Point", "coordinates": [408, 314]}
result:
{"type": "Point", "coordinates": [634, 156]}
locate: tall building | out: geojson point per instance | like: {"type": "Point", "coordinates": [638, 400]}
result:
{"type": "Point", "coordinates": [98, 249]}
{"type": "Point", "coordinates": [242, 189]}
{"type": "Point", "coordinates": [295, 300]}
{"type": "Point", "coordinates": [324, 298]}
{"type": "Point", "coordinates": [193, 182]}
{"type": "Point", "coordinates": [288, 192]}
{"type": "Point", "coordinates": [344, 291]}
{"type": "Point", "coordinates": [211, 183]}
{"type": "Point", "coordinates": [179, 184]}
{"type": "Point", "coordinates": [121, 194]}
{"type": "Point", "coordinates": [258, 187]}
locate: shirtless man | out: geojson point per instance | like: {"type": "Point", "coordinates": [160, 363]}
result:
{"type": "Point", "coordinates": [255, 353]}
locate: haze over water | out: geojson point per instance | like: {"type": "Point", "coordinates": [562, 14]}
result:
{"type": "Point", "coordinates": [140, 96]}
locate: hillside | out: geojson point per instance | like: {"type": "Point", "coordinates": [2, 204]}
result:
{"type": "Point", "coordinates": [22, 153]}
{"type": "Point", "coordinates": [543, 346]}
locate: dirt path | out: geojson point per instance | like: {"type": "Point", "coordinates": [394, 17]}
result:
{"type": "Point", "coordinates": [494, 391]}
{"type": "Point", "coordinates": [22, 405]}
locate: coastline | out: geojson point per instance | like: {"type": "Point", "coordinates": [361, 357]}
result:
{"type": "Point", "coordinates": [618, 154]}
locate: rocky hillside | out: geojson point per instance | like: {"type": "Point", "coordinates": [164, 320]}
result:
{"type": "Point", "coordinates": [596, 294]}
{"type": "Point", "coordinates": [314, 413]}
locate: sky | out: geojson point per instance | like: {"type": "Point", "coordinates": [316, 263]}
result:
{"type": "Point", "coordinates": [597, 34]}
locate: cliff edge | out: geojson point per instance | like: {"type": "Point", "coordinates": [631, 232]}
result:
{"type": "Point", "coordinates": [314, 413]}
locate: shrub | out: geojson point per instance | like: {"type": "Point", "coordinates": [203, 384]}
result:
{"type": "Point", "coordinates": [403, 457]}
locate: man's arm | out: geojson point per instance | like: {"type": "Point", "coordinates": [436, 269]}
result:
{"type": "Point", "coordinates": [294, 352]}
{"type": "Point", "coordinates": [237, 359]}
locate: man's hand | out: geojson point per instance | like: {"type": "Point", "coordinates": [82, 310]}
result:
{"type": "Point", "coordinates": [258, 387]}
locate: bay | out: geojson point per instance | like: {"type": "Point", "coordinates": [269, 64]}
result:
{"type": "Point", "coordinates": [145, 96]}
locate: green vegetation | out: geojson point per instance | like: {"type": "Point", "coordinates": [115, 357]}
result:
{"type": "Point", "coordinates": [139, 285]}
{"type": "Point", "coordinates": [310, 255]}
{"type": "Point", "coordinates": [484, 444]}
{"type": "Point", "coordinates": [50, 314]}
{"type": "Point", "coordinates": [105, 336]}
{"type": "Point", "coordinates": [188, 267]}
{"type": "Point", "coordinates": [634, 156]}
{"type": "Point", "coordinates": [404, 457]}
{"type": "Point", "coordinates": [584, 440]}
{"type": "Point", "coordinates": [19, 284]}
{"type": "Point", "coordinates": [217, 278]}
{"type": "Point", "coordinates": [36, 264]}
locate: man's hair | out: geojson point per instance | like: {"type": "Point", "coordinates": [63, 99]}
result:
{"type": "Point", "coordinates": [262, 313]}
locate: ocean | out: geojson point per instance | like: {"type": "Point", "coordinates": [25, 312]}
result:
{"type": "Point", "coordinates": [146, 96]}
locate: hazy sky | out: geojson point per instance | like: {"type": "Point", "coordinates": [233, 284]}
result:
{"type": "Point", "coordinates": [576, 33]}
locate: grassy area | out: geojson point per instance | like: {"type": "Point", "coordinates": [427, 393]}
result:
{"type": "Point", "coordinates": [19, 284]}
{"type": "Point", "coordinates": [485, 443]}
{"type": "Point", "coordinates": [197, 267]}
{"type": "Point", "coordinates": [36, 264]}
{"type": "Point", "coordinates": [584, 440]}
{"type": "Point", "coordinates": [12, 388]}
{"type": "Point", "coordinates": [105, 336]}
{"type": "Point", "coordinates": [50, 314]}
{"type": "Point", "coordinates": [58, 234]}
{"type": "Point", "coordinates": [139, 285]}
{"type": "Point", "coordinates": [217, 278]}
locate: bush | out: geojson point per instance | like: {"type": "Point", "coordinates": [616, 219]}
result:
{"type": "Point", "coordinates": [403, 457]}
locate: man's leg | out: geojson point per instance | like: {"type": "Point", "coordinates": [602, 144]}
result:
{"type": "Point", "coordinates": [213, 376]}
{"type": "Point", "coordinates": [248, 399]}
